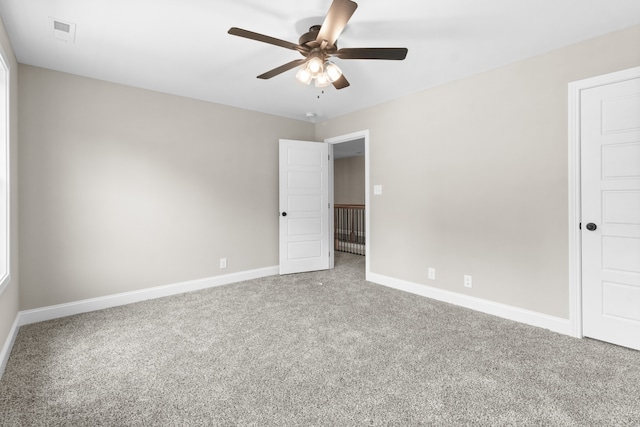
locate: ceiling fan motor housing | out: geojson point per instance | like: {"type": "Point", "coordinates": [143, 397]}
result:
{"type": "Point", "coordinates": [310, 41]}
{"type": "Point", "coordinates": [311, 36]}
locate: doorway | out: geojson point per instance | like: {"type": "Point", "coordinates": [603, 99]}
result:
{"type": "Point", "coordinates": [353, 146]}
{"type": "Point", "coordinates": [349, 197]}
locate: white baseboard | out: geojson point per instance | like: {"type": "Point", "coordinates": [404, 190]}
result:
{"type": "Point", "coordinates": [8, 345]}
{"type": "Point", "coordinates": [62, 310]}
{"type": "Point", "coordinates": [555, 324]}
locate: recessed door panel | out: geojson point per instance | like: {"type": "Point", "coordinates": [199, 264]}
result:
{"type": "Point", "coordinates": [621, 114]}
{"type": "Point", "coordinates": [304, 202]}
{"type": "Point", "coordinates": [302, 157]}
{"type": "Point", "coordinates": [304, 250]}
{"type": "Point", "coordinates": [621, 161]}
{"type": "Point", "coordinates": [621, 207]}
{"type": "Point", "coordinates": [305, 227]}
{"type": "Point", "coordinates": [305, 180]}
{"type": "Point", "coordinates": [622, 301]}
{"type": "Point", "coordinates": [621, 254]}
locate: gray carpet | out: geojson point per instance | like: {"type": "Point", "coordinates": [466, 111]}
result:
{"type": "Point", "coordinates": [321, 349]}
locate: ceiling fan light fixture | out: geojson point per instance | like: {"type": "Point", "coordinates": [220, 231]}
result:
{"type": "Point", "coordinates": [322, 80]}
{"type": "Point", "coordinates": [315, 64]}
{"type": "Point", "coordinates": [333, 71]}
{"type": "Point", "coordinates": [304, 75]}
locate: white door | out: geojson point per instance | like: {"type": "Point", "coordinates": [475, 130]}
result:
{"type": "Point", "coordinates": [304, 206]}
{"type": "Point", "coordinates": [610, 162]}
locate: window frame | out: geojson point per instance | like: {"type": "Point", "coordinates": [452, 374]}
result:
{"type": "Point", "coordinates": [5, 190]}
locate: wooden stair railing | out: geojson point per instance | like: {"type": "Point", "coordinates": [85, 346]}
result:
{"type": "Point", "coordinates": [349, 228]}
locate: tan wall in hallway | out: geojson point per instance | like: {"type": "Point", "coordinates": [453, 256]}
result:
{"type": "Point", "coordinates": [124, 189]}
{"type": "Point", "coordinates": [349, 180]}
{"type": "Point", "coordinates": [474, 174]}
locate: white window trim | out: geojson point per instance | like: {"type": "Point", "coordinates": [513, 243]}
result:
{"type": "Point", "coordinates": [5, 248]}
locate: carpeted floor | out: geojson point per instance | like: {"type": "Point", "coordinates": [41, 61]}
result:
{"type": "Point", "coordinates": [321, 349]}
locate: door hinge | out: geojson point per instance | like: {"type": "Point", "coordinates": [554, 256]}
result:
{"type": "Point", "coordinates": [580, 226]}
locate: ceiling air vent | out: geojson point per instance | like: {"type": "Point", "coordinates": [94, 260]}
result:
{"type": "Point", "coordinates": [63, 31]}
{"type": "Point", "coordinates": [61, 26]}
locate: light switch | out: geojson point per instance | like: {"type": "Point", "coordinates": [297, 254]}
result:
{"type": "Point", "coordinates": [377, 190]}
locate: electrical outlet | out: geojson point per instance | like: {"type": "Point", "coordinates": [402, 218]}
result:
{"type": "Point", "coordinates": [223, 263]}
{"type": "Point", "coordinates": [432, 273]}
{"type": "Point", "coordinates": [468, 281]}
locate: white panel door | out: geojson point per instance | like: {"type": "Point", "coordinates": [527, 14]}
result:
{"type": "Point", "coordinates": [304, 206]}
{"type": "Point", "coordinates": [610, 162]}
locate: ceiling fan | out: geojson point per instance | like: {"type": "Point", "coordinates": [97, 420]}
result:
{"type": "Point", "coordinates": [320, 44]}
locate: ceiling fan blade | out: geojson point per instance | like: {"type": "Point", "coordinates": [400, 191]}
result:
{"type": "Point", "coordinates": [265, 39]}
{"type": "Point", "coordinates": [392, 53]}
{"type": "Point", "coordinates": [341, 83]}
{"type": "Point", "coordinates": [339, 14]}
{"type": "Point", "coordinates": [281, 69]}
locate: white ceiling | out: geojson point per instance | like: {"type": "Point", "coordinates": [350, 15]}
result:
{"type": "Point", "coordinates": [182, 46]}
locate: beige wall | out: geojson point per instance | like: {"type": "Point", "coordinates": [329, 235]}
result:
{"type": "Point", "coordinates": [474, 176]}
{"type": "Point", "coordinates": [9, 297]}
{"type": "Point", "coordinates": [124, 189]}
{"type": "Point", "coordinates": [348, 179]}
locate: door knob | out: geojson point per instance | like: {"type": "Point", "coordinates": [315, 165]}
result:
{"type": "Point", "coordinates": [284, 214]}
{"type": "Point", "coordinates": [591, 226]}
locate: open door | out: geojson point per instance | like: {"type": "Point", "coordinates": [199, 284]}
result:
{"type": "Point", "coordinates": [304, 206]}
{"type": "Point", "coordinates": [610, 183]}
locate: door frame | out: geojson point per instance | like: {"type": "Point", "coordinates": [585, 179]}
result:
{"type": "Point", "coordinates": [363, 134]}
{"type": "Point", "coordinates": [575, 196]}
